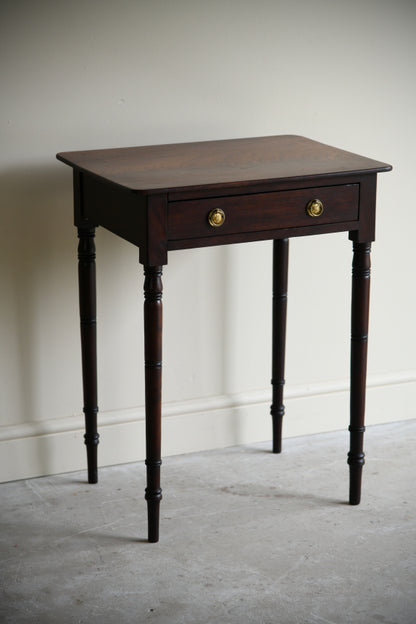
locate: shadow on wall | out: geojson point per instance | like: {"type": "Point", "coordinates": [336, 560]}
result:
{"type": "Point", "coordinates": [35, 274]}
{"type": "Point", "coordinates": [40, 364]}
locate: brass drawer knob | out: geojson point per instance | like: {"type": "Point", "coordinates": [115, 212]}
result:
{"type": "Point", "coordinates": [216, 217]}
{"type": "Point", "coordinates": [315, 208]}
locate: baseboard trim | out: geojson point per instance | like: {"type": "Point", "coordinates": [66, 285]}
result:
{"type": "Point", "coordinates": [55, 446]}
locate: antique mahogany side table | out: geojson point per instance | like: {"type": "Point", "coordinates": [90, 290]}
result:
{"type": "Point", "coordinates": [188, 195]}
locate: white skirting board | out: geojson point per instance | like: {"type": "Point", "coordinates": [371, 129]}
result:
{"type": "Point", "coordinates": [56, 446]}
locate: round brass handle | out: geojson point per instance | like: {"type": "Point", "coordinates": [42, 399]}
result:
{"type": "Point", "coordinates": [315, 208]}
{"type": "Point", "coordinates": [216, 217]}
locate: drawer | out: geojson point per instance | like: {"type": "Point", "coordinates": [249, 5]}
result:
{"type": "Point", "coordinates": [261, 211]}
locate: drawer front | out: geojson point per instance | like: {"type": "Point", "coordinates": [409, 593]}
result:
{"type": "Point", "coordinates": [261, 211]}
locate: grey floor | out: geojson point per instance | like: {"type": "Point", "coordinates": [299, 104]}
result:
{"type": "Point", "coordinates": [246, 536]}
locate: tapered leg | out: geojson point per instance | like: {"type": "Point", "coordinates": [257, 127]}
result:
{"type": "Point", "coordinates": [280, 270]}
{"type": "Point", "coordinates": [153, 379]}
{"type": "Point", "coordinates": [359, 332]}
{"type": "Point", "coordinates": [87, 309]}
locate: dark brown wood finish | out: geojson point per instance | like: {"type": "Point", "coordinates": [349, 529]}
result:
{"type": "Point", "coordinates": [211, 166]}
{"type": "Point", "coordinates": [280, 271]}
{"type": "Point", "coordinates": [161, 198]}
{"type": "Point", "coordinates": [153, 378]}
{"type": "Point", "coordinates": [88, 323]}
{"type": "Point", "coordinates": [360, 301]}
{"type": "Point", "coordinates": [262, 211]}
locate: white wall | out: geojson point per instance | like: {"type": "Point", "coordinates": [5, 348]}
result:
{"type": "Point", "coordinates": [98, 73]}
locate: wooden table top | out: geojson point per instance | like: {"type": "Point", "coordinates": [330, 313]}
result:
{"type": "Point", "coordinates": [218, 163]}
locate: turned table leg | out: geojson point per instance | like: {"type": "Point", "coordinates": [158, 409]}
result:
{"type": "Point", "coordinates": [280, 270]}
{"type": "Point", "coordinates": [359, 332]}
{"type": "Point", "coordinates": [153, 379]}
{"type": "Point", "coordinates": [87, 309]}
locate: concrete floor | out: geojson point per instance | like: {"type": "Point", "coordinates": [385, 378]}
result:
{"type": "Point", "coordinates": [246, 536]}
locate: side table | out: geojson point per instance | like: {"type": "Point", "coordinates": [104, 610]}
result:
{"type": "Point", "coordinates": [188, 195]}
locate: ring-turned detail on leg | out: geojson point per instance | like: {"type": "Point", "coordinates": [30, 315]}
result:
{"type": "Point", "coordinates": [153, 379]}
{"type": "Point", "coordinates": [359, 333]}
{"type": "Point", "coordinates": [280, 270]}
{"type": "Point", "coordinates": [88, 322]}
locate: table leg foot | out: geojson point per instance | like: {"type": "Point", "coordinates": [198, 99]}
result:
{"type": "Point", "coordinates": [91, 442]}
{"type": "Point", "coordinates": [153, 496]}
{"type": "Point", "coordinates": [153, 523]}
{"type": "Point", "coordinates": [356, 463]}
{"type": "Point", "coordinates": [280, 271]}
